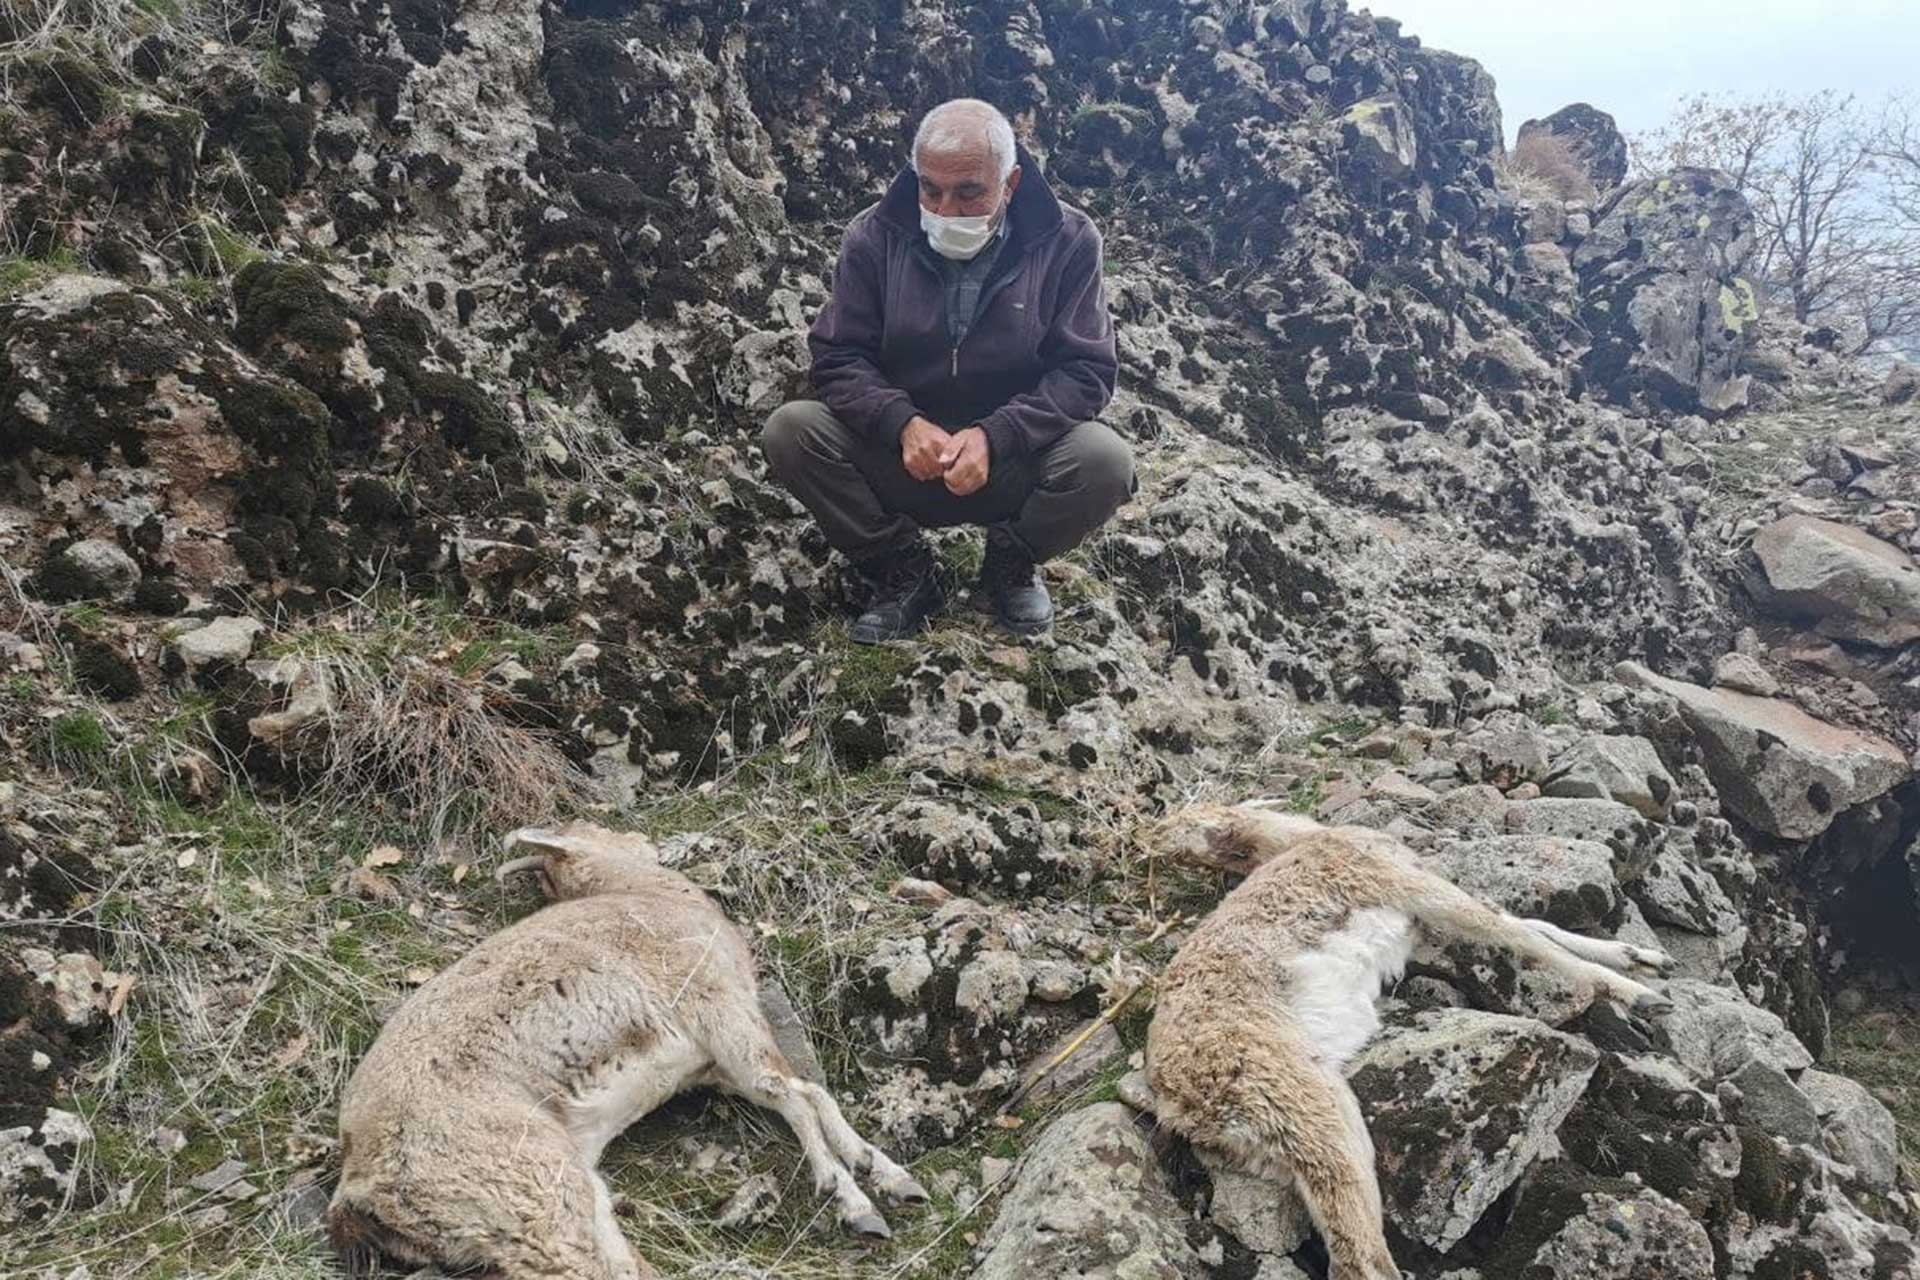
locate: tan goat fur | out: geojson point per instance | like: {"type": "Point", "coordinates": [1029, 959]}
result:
{"type": "Point", "coordinates": [1264, 1005]}
{"type": "Point", "coordinates": [470, 1133]}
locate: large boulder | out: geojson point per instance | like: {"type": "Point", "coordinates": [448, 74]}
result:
{"type": "Point", "coordinates": [1775, 766]}
{"type": "Point", "coordinates": [1459, 1104]}
{"type": "Point", "coordinates": [1592, 136]}
{"type": "Point", "coordinates": [1088, 1202]}
{"type": "Point", "coordinates": [1664, 295]}
{"type": "Point", "coordinates": [1852, 584]}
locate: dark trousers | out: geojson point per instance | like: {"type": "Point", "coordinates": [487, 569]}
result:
{"type": "Point", "coordinates": [869, 506]}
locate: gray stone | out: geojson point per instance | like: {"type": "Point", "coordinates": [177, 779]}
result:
{"type": "Point", "coordinates": [91, 569]}
{"type": "Point", "coordinates": [1675, 891]}
{"type": "Point", "coordinates": [1570, 882]}
{"type": "Point", "coordinates": [1505, 754]}
{"type": "Point", "coordinates": [1267, 1217]}
{"type": "Point", "coordinates": [1773, 764]}
{"type": "Point", "coordinates": [790, 1033]}
{"type": "Point", "coordinates": [1379, 134]}
{"type": "Point", "coordinates": [1743, 674]}
{"type": "Point", "coordinates": [1088, 1202]}
{"type": "Point", "coordinates": [1664, 294]}
{"type": "Point", "coordinates": [1852, 584]}
{"type": "Point", "coordinates": [1613, 767]}
{"type": "Point", "coordinates": [1459, 1103]}
{"type": "Point", "coordinates": [1593, 137]}
{"type": "Point", "coordinates": [1634, 840]}
{"type": "Point", "coordinates": [77, 982]}
{"type": "Point", "coordinates": [226, 641]}
{"type": "Point", "coordinates": [1771, 1101]}
{"type": "Point", "coordinates": [1714, 1032]}
{"type": "Point", "coordinates": [304, 693]}
{"type": "Point", "coordinates": [40, 1160]}
{"type": "Point", "coordinates": [1619, 1233]}
{"type": "Point", "coordinates": [1857, 1128]}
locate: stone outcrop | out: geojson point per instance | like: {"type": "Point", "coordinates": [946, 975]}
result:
{"type": "Point", "coordinates": [1664, 296]}
{"type": "Point", "coordinates": [1849, 584]}
{"type": "Point", "coordinates": [1776, 766]}
{"type": "Point", "coordinates": [1593, 137]}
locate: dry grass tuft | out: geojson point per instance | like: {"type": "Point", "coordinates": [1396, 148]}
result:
{"type": "Point", "coordinates": [413, 739]}
{"type": "Point", "coordinates": [1544, 164]}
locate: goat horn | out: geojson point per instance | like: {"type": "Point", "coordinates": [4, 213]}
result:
{"type": "Point", "coordinates": [505, 869]}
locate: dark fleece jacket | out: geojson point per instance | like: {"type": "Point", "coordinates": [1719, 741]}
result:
{"type": "Point", "coordinates": [1038, 359]}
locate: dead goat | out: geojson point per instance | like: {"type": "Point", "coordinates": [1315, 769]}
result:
{"type": "Point", "coordinates": [1274, 992]}
{"type": "Point", "coordinates": [470, 1133]}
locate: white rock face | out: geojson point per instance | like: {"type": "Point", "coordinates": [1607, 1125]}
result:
{"type": "Point", "coordinates": [1714, 1032]}
{"type": "Point", "coordinates": [1855, 585]}
{"type": "Point", "coordinates": [1774, 765]}
{"type": "Point", "coordinates": [38, 1164]}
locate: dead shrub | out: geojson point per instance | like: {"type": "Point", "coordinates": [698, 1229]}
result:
{"type": "Point", "coordinates": [1544, 163]}
{"type": "Point", "coordinates": [425, 744]}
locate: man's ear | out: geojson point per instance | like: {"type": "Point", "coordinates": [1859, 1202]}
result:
{"type": "Point", "coordinates": [1013, 182]}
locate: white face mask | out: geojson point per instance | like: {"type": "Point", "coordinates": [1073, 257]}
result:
{"type": "Point", "coordinates": [957, 238]}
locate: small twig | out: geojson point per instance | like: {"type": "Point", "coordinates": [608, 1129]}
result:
{"type": "Point", "coordinates": [1073, 1046]}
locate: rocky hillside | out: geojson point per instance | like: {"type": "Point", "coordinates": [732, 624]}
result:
{"type": "Point", "coordinates": [378, 389]}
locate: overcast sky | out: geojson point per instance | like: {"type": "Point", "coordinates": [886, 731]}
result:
{"type": "Point", "coordinates": [1634, 58]}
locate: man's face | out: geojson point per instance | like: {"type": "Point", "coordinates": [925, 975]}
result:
{"type": "Point", "coordinates": [961, 184]}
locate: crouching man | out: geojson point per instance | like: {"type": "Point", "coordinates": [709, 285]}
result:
{"type": "Point", "coordinates": [960, 364]}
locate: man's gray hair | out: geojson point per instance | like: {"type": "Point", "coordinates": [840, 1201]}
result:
{"type": "Point", "coordinates": [956, 125]}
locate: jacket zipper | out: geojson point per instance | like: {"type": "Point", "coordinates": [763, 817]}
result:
{"type": "Point", "coordinates": [992, 290]}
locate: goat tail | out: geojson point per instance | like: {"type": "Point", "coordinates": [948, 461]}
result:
{"type": "Point", "coordinates": [364, 1243]}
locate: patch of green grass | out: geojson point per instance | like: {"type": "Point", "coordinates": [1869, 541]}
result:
{"type": "Point", "coordinates": [197, 289]}
{"type": "Point", "coordinates": [78, 738]}
{"type": "Point", "coordinates": [86, 617]}
{"type": "Point", "coordinates": [19, 272]}
{"type": "Point", "coordinates": [1551, 714]}
{"type": "Point", "coordinates": [1345, 729]}
{"type": "Point", "coordinates": [866, 672]}
{"type": "Point", "coordinates": [1880, 1047]}
{"type": "Point", "coordinates": [233, 251]}
{"type": "Point", "coordinates": [1306, 795]}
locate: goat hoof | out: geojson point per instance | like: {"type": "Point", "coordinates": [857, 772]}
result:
{"type": "Point", "coordinates": [1657, 961]}
{"type": "Point", "coordinates": [910, 1191]}
{"type": "Point", "coordinates": [1652, 1005]}
{"type": "Point", "coordinates": [869, 1224]}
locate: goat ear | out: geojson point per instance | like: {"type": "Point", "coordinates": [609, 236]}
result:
{"type": "Point", "coordinates": [560, 844]}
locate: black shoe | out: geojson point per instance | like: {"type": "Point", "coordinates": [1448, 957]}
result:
{"type": "Point", "coordinates": [904, 595]}
{"type": "Point", "coordinates": [1010, 586]}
